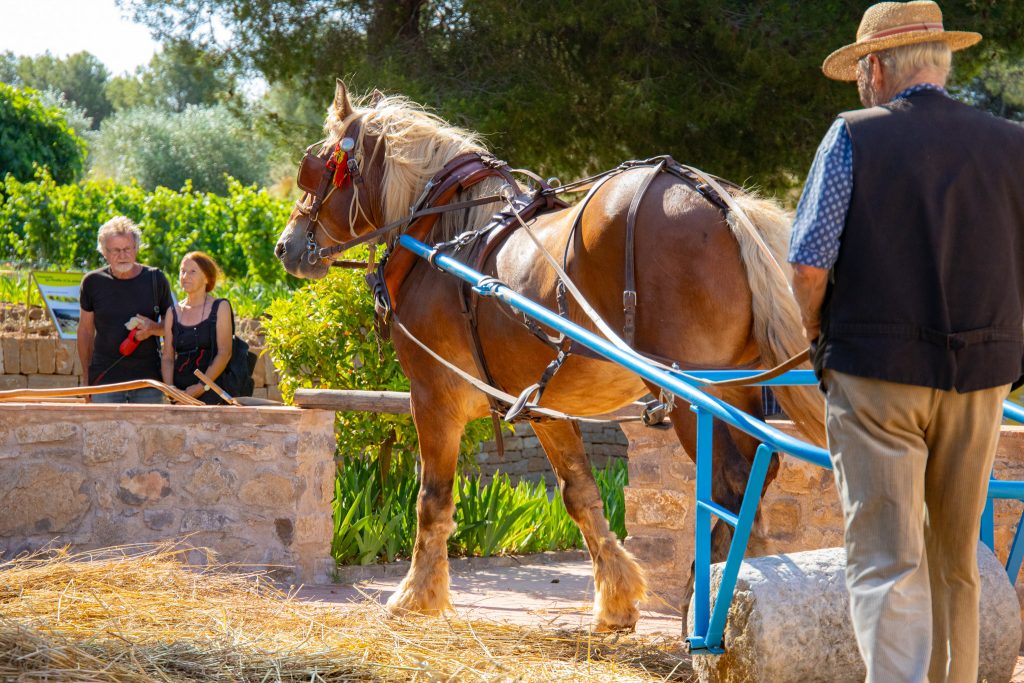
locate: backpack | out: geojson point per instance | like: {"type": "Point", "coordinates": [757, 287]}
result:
{"type": "Point", "coordinates": [236, 379]}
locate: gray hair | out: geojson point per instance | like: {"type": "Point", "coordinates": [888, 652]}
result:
{"type": "Point", "coordinates": [904, 61]}
{"type": "Point", "coordinates": [118, 225]}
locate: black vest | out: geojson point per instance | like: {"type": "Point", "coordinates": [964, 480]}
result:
{"type": "Point", "coordinates": [928, 288]}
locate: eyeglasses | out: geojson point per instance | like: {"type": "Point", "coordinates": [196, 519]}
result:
{"type": "Point", "coordinates": [127, 251]}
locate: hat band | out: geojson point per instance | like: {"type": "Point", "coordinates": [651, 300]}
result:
{"type": "Point", "coordinates": [931, 27]}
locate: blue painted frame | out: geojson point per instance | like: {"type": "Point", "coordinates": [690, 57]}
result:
{"type": "Point", "coordinates": [709, 625]}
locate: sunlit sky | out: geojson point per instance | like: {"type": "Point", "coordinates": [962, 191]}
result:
{"type": "Point", "coordinates": [31, 27]}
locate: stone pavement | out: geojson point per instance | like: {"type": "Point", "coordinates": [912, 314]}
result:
{"type": "Point", "coordinates": [558, 594]}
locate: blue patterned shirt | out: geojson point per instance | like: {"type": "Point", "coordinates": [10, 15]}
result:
{"type": "Point", "coordinates": [821, 213]}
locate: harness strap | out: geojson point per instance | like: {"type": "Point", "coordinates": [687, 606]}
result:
{"type": "Point", "coordinates": [532, 412]}
{"type": "Point", "coordinates": [629, 291]}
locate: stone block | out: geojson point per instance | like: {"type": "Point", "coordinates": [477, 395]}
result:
{"type": "Point", "coordinates": [46, 355]}
{"type": "Point", "coordinates": [790, 621]}
{"type": "Point", "coordinates": [164, 444]}
{"type": "Point", "coordinates": [259, 372]}
{"type": "Point", "coordinates": [211, 482]}
{"type": "Point", "coordinates": [663, 509]}
{"type": "Point", "coordinates": [29, 356]}
{"type": "Point", "coordinates": [64, 354]}
{"type": "Point", "coordinates": [47, 432]}
{"type": "Point", "coordinates": [110, 441]}
{"type": "Point", "coordinates": [259, 392]}
{"type": "Point", "coordinates": [270, 372]}
{"type": "Point", "coordinates": [51, 381]}
{"type": "Point", "coordinates": [8, 382]}
{"type": "Point", "coordinates": [41, 498]}
{"type": "Point", "coordinates": [12, 355]}
{"type": "Point", "coordinates": [138, 486]}
{"type": "Point", "coordinates": [268, 489]}
{"type": "Point", "coordinates": [205, 520]}
{"type": "Point", "coordinates": [274, 393]}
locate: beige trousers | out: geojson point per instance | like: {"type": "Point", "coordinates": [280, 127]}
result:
{"type": "Point", "coordinates": [912, 466]}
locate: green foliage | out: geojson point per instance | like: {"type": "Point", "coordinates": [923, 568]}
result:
{"type": "Point", "coordinates": [80, 77]}
{"type": "Point", "coordinates": [181, 74]}
{"type": "Point", "coordinates": [375, 513]}
{"type": "Point", "coordinates": [998, 87]}
{"type": "Point", "coordinates": [201, 146]}
{"type": "Point", "coordinates": [45, 223]}
{"type": "Point", "coordinates": [33, 135]}
{"type": "Point", "coordinates": [733, 87]}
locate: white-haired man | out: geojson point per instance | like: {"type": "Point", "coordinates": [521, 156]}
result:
{"type": "Point", "coordinates": [908, 253]}
{"type": "Point", "coordinates": [111, 297]}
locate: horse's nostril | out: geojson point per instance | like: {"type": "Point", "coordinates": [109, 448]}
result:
{"type": "Point", "coordinates": [279, 250]}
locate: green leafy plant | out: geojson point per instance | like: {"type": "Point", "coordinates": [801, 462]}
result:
{"type": "Point", "coordinates": [33, 135]}
{"type": "Point", "coordinates": [375, 513]}
{"type": "Point", "coordinates": [45, 222]}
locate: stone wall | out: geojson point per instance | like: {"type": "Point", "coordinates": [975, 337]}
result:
{"type": "Point", "coordinates": [253, 484]}
{"type": "Point", "coordinates": [800, 510]}
{"type": "Point", "coordinates": [525, 459]}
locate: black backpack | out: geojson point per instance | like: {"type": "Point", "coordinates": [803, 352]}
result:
{"type": "Point", "coordinates": [236, 379]}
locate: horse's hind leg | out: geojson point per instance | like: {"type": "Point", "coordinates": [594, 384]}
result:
{"type": "Point", "coordinates": [733, 457]}
{"type": "Point", "coordinates": [618, 579]}
{"type": "Point", "coordinates": [425, 587]}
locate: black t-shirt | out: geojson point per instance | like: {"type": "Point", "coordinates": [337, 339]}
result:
{"type": "Point", "coordinates": [113, 303]}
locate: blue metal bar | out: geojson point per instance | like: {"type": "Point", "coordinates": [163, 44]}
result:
{"type": "Point", "coordinates": [788, 379]}
{"type": "Point", "coordinates": [719, 511]}
{"type": "Point", "coordinates": [630, 360]}
{"type": "Point", "coordinates": [988, 525]}
{"type": "Point", "coordinates": [707, 409]}
{"type": "Point", "coordinates": [702, 521]}
{"type": "Point", "coordinates": [738, 547]}
{"type": "Point", "coordinates": [1013, 562]}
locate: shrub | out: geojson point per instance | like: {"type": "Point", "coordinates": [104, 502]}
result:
{"type": "Point", "coordinates": [203, 145]}
{"type": "Point", "coordinates": [43, 222]}
{"type": "Point", "coordinates": [33, 134]}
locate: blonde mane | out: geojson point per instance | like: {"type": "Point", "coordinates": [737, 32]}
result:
{"type": "Point", "coordinates": [416, 145]}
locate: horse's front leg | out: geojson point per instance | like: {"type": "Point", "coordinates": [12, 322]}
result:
{"type": "Point", "coordinates": [619, 582]}
{"type": "Point", "coordinates": [425, 587]}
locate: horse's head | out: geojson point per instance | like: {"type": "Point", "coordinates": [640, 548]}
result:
{"type": "Point", "coordinates": [341, 183]}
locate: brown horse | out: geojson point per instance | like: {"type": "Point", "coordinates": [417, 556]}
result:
{"type": "Point", "coordinates": [707, 296]}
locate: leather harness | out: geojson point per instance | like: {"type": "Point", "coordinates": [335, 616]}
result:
{"type": "Point", "coordinates": [459, 174]}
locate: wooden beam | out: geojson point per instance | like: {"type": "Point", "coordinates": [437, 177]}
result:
{"type": "Point", "coordinates": [350, 400]}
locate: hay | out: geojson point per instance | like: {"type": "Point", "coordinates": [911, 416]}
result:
{"type": "Point", "coordinates": [143, 614]}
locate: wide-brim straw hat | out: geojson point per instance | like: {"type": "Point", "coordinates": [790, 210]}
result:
{"type": "Point", "coordinates": [892, 24]}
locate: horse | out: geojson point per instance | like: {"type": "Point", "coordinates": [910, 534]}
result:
{"type": "Point", "coordinates": [708, 295]}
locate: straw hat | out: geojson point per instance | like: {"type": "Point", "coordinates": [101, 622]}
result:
{"type": "Point", "coordinates": [891, 24]}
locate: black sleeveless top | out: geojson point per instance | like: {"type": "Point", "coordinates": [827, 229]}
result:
{"type": "Point", "coordinates": [194, 348]}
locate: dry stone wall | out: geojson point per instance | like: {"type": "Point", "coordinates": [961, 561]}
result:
{"type": "Point", "coordinates": [252, 484]}
{"type": "Point", "coordinates": [800, 510]}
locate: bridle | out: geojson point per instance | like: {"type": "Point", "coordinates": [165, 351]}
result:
{"type": "Point", "coordinates": [321, 174]}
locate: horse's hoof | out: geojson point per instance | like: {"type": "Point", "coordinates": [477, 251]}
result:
{"type": "Point", "coordinates": [602, 626]}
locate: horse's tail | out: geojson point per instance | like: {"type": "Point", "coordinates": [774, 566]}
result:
{"type": "Point", "coordinates": [777, 327]}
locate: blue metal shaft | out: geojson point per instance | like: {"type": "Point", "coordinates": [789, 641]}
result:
{"type": "Point", "coordinates": [641, 366]}
{"type": "Point", "coordinates": [708, 628]}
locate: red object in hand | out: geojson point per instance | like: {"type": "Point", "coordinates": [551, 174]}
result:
{"type": "Point", "coordinates": [130, 343]}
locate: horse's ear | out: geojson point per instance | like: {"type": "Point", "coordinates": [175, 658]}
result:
{"type": "Point", "coordinates": [342, 105]}
{"type": "Point", "coordinates": [375, 97]}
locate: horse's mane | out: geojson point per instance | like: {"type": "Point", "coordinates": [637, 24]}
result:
{"type": "Point", "coordinates": [416, 144]}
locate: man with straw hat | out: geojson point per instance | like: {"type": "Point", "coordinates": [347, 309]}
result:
{"type": "Point", "coordinates": [908, 264]}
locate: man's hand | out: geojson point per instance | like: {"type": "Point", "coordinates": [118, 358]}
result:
{"type": "Point", "coordinates": [196, 390]}
{"type": "Point", "coordinates": [147, 328]}
{"type": "Point", "coordinates": [809, 285]}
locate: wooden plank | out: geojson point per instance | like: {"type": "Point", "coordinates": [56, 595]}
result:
{"type": "Point", "coordinates": [351, 400]}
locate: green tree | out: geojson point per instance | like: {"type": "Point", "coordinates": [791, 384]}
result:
{"type": "Point", "coordinates": [181, 74]}
{"type": "Point", "coordinates": [33, 134]}
{"type": "Point", "coordinates": [999, 88]}
{"type": "Point", "coordinates": [200, 147]}
{"type": "Point", "coordinates": [81, 78]}
{"type": "Point", "coordinates": [568, 87]}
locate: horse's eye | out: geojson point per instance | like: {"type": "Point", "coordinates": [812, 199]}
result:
{"type": "Point", "coordinates": [347, 144]}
